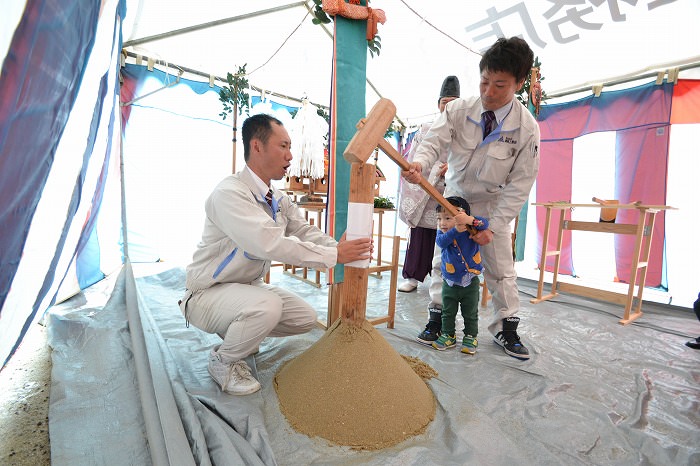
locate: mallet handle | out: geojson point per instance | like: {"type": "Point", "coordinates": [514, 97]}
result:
{"type": "Point", "coordinates": [427, 187]}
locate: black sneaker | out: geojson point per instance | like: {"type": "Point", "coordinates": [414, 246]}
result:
{"type": "Point", "coordinates": [430, 334]}
{"type": "Point", "coordinates": [695, 344]}
{"type": "Point", "coordinates": [512, 346]}
{"type": "Point", "coordinates": [509, 340]}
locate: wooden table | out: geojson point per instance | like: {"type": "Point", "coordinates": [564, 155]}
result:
{"type": "Point", "coordinates": [643, 231]}
{"type": "Point", "coordinates": [309, 207]}
{"type": "Point", "coordinates": [376, 267]}
{"type": "Point", "coordinates": [319, 208]}
{"type": "Point", "coordinates": [380, 213]}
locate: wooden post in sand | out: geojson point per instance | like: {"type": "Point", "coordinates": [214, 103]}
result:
{"type": "Point", "coordinates": [369, 136]}
{"type": "Point", "coordinates": [354, 291]}
{"type": "Point", "coordinates": [354, 288]}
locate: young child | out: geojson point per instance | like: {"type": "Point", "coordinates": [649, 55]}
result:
{"type": "Point", "coordinates": [461, 265]}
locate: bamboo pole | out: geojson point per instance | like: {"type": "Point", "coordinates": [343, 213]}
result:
{"type": "Point", "coordinates": [235, 123]}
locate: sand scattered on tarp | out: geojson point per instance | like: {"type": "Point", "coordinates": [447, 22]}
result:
{"type": "Point", "coordinates": [352, 388]}
{"type": "Point", "coordinates": [422, 369]}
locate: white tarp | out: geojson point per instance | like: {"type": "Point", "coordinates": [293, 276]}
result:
{"type": "Point", "coordinates": [592, 393]}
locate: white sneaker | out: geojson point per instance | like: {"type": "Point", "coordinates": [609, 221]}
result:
{"type": "Point", "coordinates": [408, 285]}
{"type": "Point", "coordinates": [234, 378]}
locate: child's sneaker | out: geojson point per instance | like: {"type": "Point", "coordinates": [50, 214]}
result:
{"type": "Point", "coordinates": [469, 344]}
{"type": "Point", "coordinates": [445, 341]}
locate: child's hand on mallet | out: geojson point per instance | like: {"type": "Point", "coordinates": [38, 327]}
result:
{"type": "Point", "coordinates": [462, 220]}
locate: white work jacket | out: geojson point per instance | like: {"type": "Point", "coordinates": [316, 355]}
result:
{"type": "Point", "coordinates": [499, 170]}
{"type": "Point", "coordinates": [242, 235]}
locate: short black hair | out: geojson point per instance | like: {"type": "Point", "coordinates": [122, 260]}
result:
{"type": "Point", "coordinates": [457, 202]}
{"type": "Point", "coordinates": [257, 127]}
{"type": "Point", "coordinates": [512, 56]}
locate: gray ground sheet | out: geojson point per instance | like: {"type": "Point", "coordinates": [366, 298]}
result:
{"type": "Point", "coordinates": [130, 385]}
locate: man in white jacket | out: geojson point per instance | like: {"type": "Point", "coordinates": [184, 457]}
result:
{"type": "Point", "coordinates": [493, 143]}
{"type": "Point", "coordinates": [248, 224]}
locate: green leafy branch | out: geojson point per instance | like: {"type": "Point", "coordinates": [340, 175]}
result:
{"type": "Point", "coordinates": [374, 45]}
{"type": "Point", "coordinates": [383, 203]}
{"type": "Point", "coordinates": [233, 95]}
{"type": "Point", "coordinates": [526, 86]}
{"type": "Point", "coordinates": [320, 17]}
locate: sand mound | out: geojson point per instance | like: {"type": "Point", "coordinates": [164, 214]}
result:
{"type": "Point", "coordinates": [352, 388]}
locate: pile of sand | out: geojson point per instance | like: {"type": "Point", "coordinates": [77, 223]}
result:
{"type": "Point", "coordinates": [352, 388]}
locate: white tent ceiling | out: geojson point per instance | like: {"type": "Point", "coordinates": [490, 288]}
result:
{"type": "Point", "coordinates": [581, 41]}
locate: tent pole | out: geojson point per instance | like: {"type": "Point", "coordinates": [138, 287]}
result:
{"type": "Point", "coordinates": [218, 78]}
{"type": "Point", "coordinates": [177, 81]}
{"type": "Point", "coordinates": [624, 79]}
{"type": "Point", "coordinates": [218, 22]}
{"type": "Point", "coordinates": [125, 238]}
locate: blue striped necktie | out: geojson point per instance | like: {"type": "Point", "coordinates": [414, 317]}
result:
{"type": "Point", "coordinates": [489, 119]}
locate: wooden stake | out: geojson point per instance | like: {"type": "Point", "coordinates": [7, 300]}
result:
{"type": "Point", "coordinates": [354, 288]}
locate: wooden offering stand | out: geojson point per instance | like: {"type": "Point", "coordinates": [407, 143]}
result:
{"type": "Point", "coordinates": [643, 231]}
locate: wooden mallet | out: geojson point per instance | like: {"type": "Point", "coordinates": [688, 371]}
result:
{"type": "Point", "coordinates": [370, 134]}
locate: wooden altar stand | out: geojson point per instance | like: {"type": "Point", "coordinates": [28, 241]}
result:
{"type": "Point", "coordinates": [381, 265]}
{"type": "Point", "coordinates": [377, 270]}
{"type": "Point", "coordinates": [334, 303]}
{"type": "Point", "coordinates": [302, 273]}
{"type": "Point", "coordinates": [313, 213]}
{"type": "Point", "coordinates": [643, 231]}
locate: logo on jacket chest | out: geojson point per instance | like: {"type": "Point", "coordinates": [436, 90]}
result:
{"type": "Point", "coordinates": [508, 140]}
